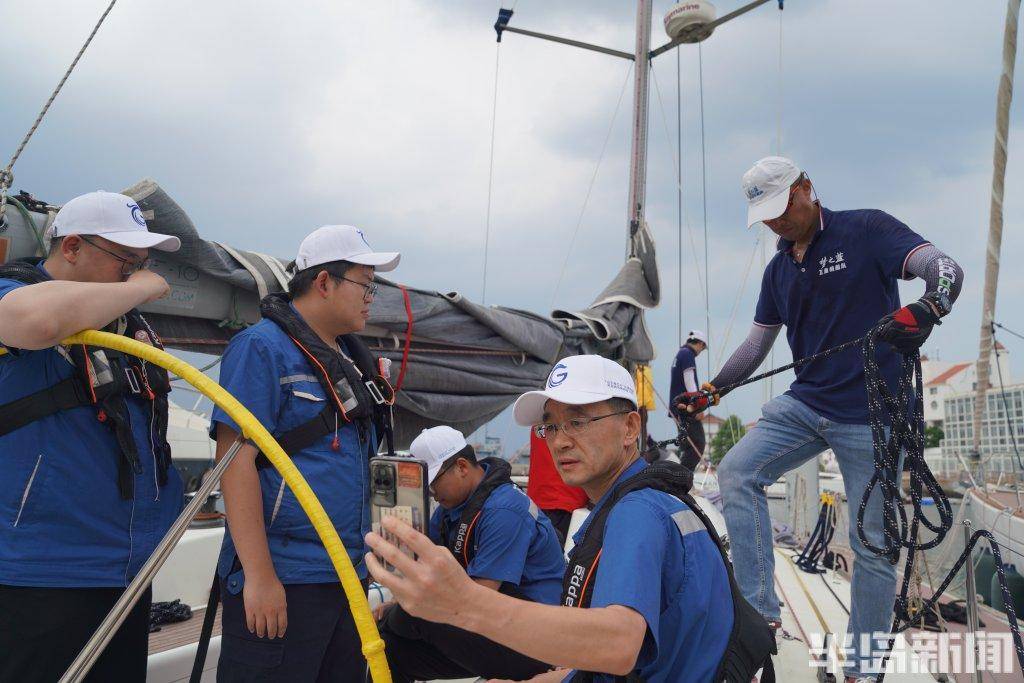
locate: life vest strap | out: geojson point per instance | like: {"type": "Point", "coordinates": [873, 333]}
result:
{"type": "Point", "coordinates": [64, 395]}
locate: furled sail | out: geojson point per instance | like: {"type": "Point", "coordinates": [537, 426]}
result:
{"type": "Point", "coordinates": [463, 363]}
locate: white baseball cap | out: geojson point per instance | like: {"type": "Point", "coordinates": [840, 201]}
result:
{"type": "Point", "coordinates": [576, 380]}
{"type": "Point", "coordinates": [434, 446]}
{"type": "Point", "coordinates": [112, 216]}
{"type": "Point", "coordinates": [766, 186]}
{"type": "Point", "coordinates": [699, 336]}
{"type": "Point", "coordinates": [342, 243]}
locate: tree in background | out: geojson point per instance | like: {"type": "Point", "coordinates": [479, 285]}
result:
{"type": "Point", "coordinates": [728, 434]}
{"type": "Point", "coordinates": [933, 436]}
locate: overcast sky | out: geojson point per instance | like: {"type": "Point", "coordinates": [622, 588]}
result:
{"type": "Point", "coordinates": [265, 120]}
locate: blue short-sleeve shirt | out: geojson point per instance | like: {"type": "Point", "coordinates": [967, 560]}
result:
{"type": "Point", "coordinates": [845, 284]}
{"type": "Point", "coordinates": [514, 543]}
{"type": "Point", "coordinates": [677, 581]}
{"type": "Point", "coordinates": [271, 377]}
{"type": "Point", "coordinates": [63, 523]}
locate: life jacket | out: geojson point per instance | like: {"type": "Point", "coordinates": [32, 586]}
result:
{"type": "Point", "coordinates": [103, 379]}
{"type": "Point", "coordinates": [458, 537]}
{"type": "Point", "coordinates": [357, 388]}
{"type": "Point", "coordinates": [751, 641]}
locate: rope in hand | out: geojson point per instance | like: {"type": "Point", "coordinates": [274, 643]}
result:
{"type": "Point", "coordinates": [902, 415]}
{"type": "Point", "coordinates": [725, 389]}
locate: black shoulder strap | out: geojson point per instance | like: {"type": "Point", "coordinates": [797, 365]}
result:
{"type": "Point", "coordinates": [751, 642]}
{"type": "Point", "coordinates": [669, 477]}
{"type": "Point", "coordinates": [499, 473]}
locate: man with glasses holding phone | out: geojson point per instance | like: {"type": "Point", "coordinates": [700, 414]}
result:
{"type": "Point", "coordinates": [504, 543]}
{"type": "Point", "coordinates": [833, 278]}
{"type": "Point", "coordinates": [652, 579]}
{"type": "Point", "coordinates": [86, 484]}
{"type": "Point", "coordinates": [312, 382]}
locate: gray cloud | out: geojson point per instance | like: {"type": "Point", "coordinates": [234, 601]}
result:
{"type": "Point", "coordinates": [265, 122]}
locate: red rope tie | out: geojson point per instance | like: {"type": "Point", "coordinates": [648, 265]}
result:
{"type": "Point", "coordinates": [408, 339]}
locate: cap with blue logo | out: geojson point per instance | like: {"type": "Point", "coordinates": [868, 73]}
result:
{"type": "Point", "coordinates": [342, 243]}
{"type": "Point", "coordinates": [766, 186]}
{"type": "Point", "coordinates": [576, 380]}
{"type": "Point", "coordinates": [112, 216]}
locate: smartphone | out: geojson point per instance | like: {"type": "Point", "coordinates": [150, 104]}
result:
{"type": "Point", "coordinates": [398, 488]}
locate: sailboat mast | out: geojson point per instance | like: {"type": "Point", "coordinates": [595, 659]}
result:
{"type": "Point", "coordinates": [641, 93]}
{"type": "Point", "coordinates": [995, 228]}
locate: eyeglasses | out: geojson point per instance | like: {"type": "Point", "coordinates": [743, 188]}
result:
{"type": "Point", "coordinates": [128, 266]}
{"type": "Point", "coordinates": [792, 194]}
{"type": "Point", "coordinates": [573, 427]}
{"type": "Point", "coordinates": [445, 468]}
{"type": "Point", "coordinates": [370, 287]}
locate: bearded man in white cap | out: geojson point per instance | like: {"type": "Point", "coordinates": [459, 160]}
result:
{"type": "Point", "coordinates": [88, 487]}
{"type": "Point", "coordinates": [833, 278]}
{"type": "Point", "coordinates": [646, 569]}
{"type": "Point", "coordinates": [501, 539]}
{"type": "Point", "coordinates": [309, 379]}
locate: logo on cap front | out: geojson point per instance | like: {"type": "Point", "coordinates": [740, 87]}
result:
{"type": "Point", "coordinates": [137, 214]}
{"type": "Point", "coordinates": [753, 192]}
{"type": "Point", "coordinates": [558, 375]}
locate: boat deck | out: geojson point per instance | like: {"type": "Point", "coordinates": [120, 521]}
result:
{"type": "Point", "coordinates": [182, 633]}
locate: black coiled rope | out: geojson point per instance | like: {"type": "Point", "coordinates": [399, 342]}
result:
{"type": "Point", "coordinates": [902, 412]}
{"type": "Point", "coordinates": [816, 551]}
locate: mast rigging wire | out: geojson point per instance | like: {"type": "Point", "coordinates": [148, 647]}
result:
{"type": "Point", "coordinates": [679, 184]}
{"type": "Point", "coordinates": [679, 189]}
{"type": "Point", "coordinates": [6, 176]}
{"type": "Point", "coordinates": [704, 200]}
{"type": "Point", "coordinates": [590, 186]}
{"type": "Point", "coordinates": [490, 174]}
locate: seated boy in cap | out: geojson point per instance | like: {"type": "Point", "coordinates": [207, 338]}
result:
{"type": "Point", "coordinates": [502, 541]}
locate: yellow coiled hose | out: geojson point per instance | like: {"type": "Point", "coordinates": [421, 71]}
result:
{"type": "Point", "coordinates": [373, 646]}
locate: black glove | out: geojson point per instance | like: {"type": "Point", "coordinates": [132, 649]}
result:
{"type": "Point", "coordinates": [908, 328]}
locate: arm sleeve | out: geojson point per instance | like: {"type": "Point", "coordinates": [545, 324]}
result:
{"type": "Point", "coordinates": [690, 379]}
{"type": "Point", "coordinates": [939, 272]}
{"type": "Point", "coordinates": [748, 357]}
{"type": "Point", "coordinates": [636, 536]}
{"type": "Point", "coordinates": [503, 541]}
{"type": "Point", "coordinates": [892, 244]}
{"type": "Point", "coordinates": [249, 373]}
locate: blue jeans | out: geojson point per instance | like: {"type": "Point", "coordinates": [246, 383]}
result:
{"type": "Point", "coordinates": [787, 436]}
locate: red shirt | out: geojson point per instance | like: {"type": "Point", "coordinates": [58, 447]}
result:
{"type": "Point", "coordinates": [546, 487]}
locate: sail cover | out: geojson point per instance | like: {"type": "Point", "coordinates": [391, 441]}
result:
{"type": "Point", "coordinates": [463, 363]}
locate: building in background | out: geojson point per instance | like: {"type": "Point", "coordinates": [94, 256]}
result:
{"type": "Point", "coordinates": [1002, 429]}
{"type": "Point", "coordinates": [711, 425]}
{"type": "Point", "coordinates": [945, 379]}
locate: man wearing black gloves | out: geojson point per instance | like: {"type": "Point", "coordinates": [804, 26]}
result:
{"type": "Point", "coordinates": [833, 278]}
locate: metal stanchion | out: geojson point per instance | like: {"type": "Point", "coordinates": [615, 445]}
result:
{"type": "Point", "coordinates": [94, 648]}
{"type": "Point", "coordinates": [972, 603]}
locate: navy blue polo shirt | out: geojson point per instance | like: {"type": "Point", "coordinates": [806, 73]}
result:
{"type": "Point", "coordinates": [684, 360]}
{"type": "Point", "coordinates": [63, 522]}
{"type": "Point", "coordinates": [514, 542]}
{"type": "Point", "coordinates": [672, 574]}
{"type": "Point", "coordinates": [845, 284]}
{"type": "Point", "coordinates": [264, 369]}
